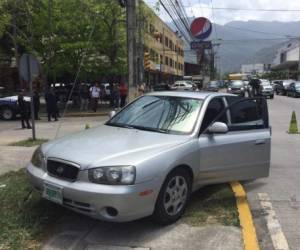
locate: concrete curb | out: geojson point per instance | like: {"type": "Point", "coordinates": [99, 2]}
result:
{"type": "Point", "coordinates": [245, 216]}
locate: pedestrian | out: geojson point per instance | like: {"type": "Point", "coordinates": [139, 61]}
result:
{"type": "Point", "coordinates": [94, 94]}
{"type": "Point", "coordinates": [24, 108]}
{"type": "Point", "coordinates": [36, 104]}
{"type": "Point", "coordinates": [84, 98]}
{"type": "Point", "coordinates": [51, 105]}
{"type": "Point", "coordinates": [116, 96]}
{"type": "Point", "coordinates": [123, 94]}
{"type": "Point", "coordinates": [254, 83]}
{"type": "Point", "coordinates": [111, 95]}
{"type": "Point", "coordinates": [141, 89]}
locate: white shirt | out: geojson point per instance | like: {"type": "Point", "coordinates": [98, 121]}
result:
{"type": "Point", "coordinates": [95, 92]}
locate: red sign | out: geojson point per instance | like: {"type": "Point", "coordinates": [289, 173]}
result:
{"type": "Point", "coordinates": [201, 28]}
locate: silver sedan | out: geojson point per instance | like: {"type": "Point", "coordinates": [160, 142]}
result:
{"type": "Point", "coordinates": [149, 157]}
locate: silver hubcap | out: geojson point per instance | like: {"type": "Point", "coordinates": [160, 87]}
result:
{"type": "Point", "coordinates": [175, 195]}
{"type": "Point", "coordinates": [7, 114]}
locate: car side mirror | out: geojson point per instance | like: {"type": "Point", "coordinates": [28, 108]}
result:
{"type": "Point", "coordinates": [112, 114]}
{"type": "Point", "coordinates": [218, 128]}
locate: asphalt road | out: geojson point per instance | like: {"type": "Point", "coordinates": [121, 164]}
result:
{"type": "Point", "coordinates": [283, 185]}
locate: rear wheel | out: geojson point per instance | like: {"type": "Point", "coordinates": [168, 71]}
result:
{"type": "Point", "coordinates": [173, 197]}
{"type": "Point", "coordinates": [7, 113]}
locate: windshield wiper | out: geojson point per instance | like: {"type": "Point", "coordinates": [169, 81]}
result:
{"type": "Point", "coordinates": [164, 131]}
{"type": "Point", "coordinates": [119, 125]}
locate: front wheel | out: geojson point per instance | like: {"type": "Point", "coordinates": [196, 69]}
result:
{"type": "Point", "coordinates": [7, 113]}
{"type": "Point", "coordinates": [173, 197]}
{"type": "Point", "coordinates": [271, 96]}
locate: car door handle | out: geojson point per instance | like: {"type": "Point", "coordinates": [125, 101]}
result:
{"type": "Point", "coordinates": [260, 142]}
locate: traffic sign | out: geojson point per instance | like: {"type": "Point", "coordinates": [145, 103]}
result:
{"type": "Point", "coordinates": [201, 45]}
{"type": "Point", "coordinates": [29, 68]}
{"type": "Point", "coordinates": [201, 28]}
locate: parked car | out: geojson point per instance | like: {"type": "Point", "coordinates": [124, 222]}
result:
{"type": "Point", "coordinates": [266, 89]}
{"type": "Point", "coordinates": [212, 86]}
{"type": "Point", "coordinates": [281, 86]}
{"type": "Point", "coordinates": [293, 89]}
{"type": "Point", "coordinates": [237, 87]}
{"type": "Point", "coordinates": [9, 106]}
{"type": "Point", "coordinates": [161, 87]}
{"type": "Point", "coordinates": [150, 156]}
{"type": "Point", "coordinates": [183, 85]}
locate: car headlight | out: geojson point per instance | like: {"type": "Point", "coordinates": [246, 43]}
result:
{"type": "Point", "coordinates": [37, 158]}
{"type": "Point", "coordinates": [119, 175]}
{"type": "Point", "coordinates": [242, 89]}
{"type": "Point", "coordinates": [229, 89]}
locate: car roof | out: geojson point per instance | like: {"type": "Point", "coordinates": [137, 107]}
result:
{"type": "Point", "coordinates": [188, 94]}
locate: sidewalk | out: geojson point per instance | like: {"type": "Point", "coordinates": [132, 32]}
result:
{"type": "Point", "coordinates": [14, 158]}
{"type": "Point", "coordinates": [80, 232]}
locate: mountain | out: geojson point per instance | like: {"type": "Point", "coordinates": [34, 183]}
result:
{"type": "Point", "coordinates": [248, 42]}
{"type": "Point", "coordinates": [252, 42]}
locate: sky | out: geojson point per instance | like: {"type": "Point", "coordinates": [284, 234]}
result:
{"type": "Point", "coordinates": [204, 8]}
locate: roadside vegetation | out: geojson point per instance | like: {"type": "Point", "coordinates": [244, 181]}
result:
{"type": "Point", "coordinates": [26, 219]}
{"type": "Point", "coordinates": [29, 142]}
{"type": "Point", "coordinates": [24, 216]}
{"type": "Point", "coordinates": [214, 204]}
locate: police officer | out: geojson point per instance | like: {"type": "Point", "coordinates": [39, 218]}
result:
{"type": "Point", "coordinates": [24, 108]}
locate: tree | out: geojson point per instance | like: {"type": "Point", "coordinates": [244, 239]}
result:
{"type": "Point", "coordinates": [67, 35]}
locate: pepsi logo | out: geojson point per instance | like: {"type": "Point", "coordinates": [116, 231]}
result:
{"type": "Point", "coordinates": [201, 28]}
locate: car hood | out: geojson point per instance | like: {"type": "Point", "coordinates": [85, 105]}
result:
{"type": "Point", "coordinates": [110, 146]}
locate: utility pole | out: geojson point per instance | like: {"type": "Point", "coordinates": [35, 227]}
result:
{"type": "Point", "coordinates": [299, 64]}
{"type": "Point", "coordinates": [140, 56]}
{"type": "Point", "coordinates": [131, 21]}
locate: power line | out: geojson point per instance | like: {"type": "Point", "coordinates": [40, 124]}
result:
{"type": "Point", "coordinates": [257, 31]}
{"type": "Point", "coordinates": [245, 9]}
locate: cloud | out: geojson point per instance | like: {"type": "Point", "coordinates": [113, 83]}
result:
{"type": "Point", "coordinates": [203, 8]}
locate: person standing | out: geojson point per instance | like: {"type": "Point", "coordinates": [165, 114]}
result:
{"type": "Point", "coordinates": [84, 98]}
{"type": "Point", "coordinates": [116, 96]}
{"type": "Point", "coordinates": [36, 104]}
{"type": "Point", "coordinates": [51, 104]}
{"type": "Point", "coordinates": [24, 108]}
{"type": "Point", "coordinates": [95, 94]}
{"type": "Point", "coordinates": [255, 83]}
{"type": "Point", "coordinates": [141, 89]}
{"type": "Point", "coordinates": [123, 94]}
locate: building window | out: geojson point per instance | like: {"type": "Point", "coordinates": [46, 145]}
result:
{"type": "Point", "coordinates": [166, 61]}
{"type": "Point", "coordinates": [171, 62]}
{"type": "Point", "coordinates": [161, 59]}
{"type": "Point", "coordinates": [175, 65]}
{"type": "Point", "coordinates": [152, 29]}
{"type": "Point", "coordinates": [166, 42]}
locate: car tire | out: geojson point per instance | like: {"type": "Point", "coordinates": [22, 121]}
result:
{"type": "Point", "coordinates": [272, 96]}
{"type": "Point", "coordinates": [173, 197]}
{"type": "Point", "coordinates": [7, 113]}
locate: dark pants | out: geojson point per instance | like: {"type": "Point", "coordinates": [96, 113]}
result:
{"type": "Point", "coordinates": [94, 104]}
{"type": "Point", "coordinates": [36, 112]}
{"type": "Point", "coordinates": [52, 114]}
{"type": "Point", "coordinates": [25, 121]}
{"type": "Point", "coordinates": [123, 101]}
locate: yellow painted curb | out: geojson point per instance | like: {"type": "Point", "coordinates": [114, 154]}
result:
{"type": "Point", "coordinates": [245, 216]}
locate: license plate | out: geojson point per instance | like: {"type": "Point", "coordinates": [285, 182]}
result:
{"type": "Point", "coordinates": [53, 193]}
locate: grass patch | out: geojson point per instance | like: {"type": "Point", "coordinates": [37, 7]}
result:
{"type": "Point", "coordinates": [212, 205]}
{"type": "Point", "coordinates": [24, 215]}
{"type": "Point", "coordinates": [29, 142]}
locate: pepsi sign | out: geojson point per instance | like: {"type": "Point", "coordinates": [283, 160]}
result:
{"type": "Point", "coordinates": [201, 28]}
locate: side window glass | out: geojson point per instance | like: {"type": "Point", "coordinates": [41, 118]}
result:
{"type": "Point", "coordinates": [248, 114]}
{"type": "Point", "coordinates": [214, 108]}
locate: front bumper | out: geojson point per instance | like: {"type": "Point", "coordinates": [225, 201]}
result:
{"type": "Point", "coordinates": [94, 199]}
{"type": "Point", "coordinates": [267, 93]}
